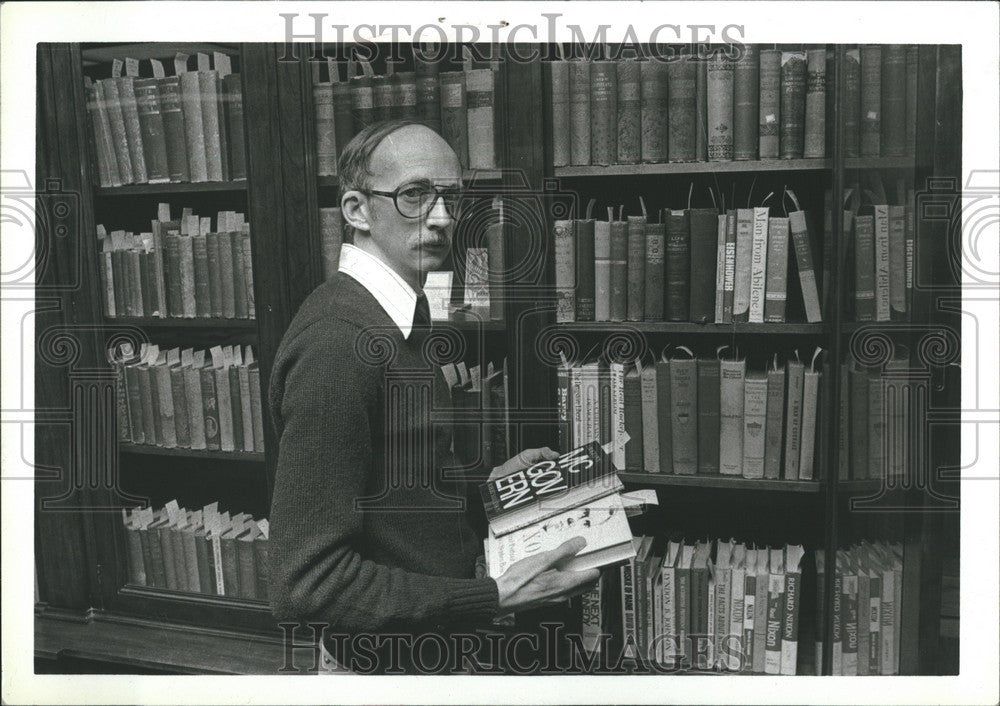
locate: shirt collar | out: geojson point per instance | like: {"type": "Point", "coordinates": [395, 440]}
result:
{"type": "Point", "coordinates": [390, 290]}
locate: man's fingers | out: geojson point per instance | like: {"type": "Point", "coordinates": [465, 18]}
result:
{"type": "Point", "coordinates": [532, 456]}
{"type": "Point", "coordinates": [566, 550]}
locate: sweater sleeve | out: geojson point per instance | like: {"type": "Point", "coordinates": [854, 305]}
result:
{"type": "Point", "coordinates": [322, 412]}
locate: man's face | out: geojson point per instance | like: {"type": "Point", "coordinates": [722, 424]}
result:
{"type": "Point", "coordinates": [412, 246]}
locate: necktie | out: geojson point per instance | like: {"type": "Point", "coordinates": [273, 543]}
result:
{"type": "Point", "coordinates": [422, 314]}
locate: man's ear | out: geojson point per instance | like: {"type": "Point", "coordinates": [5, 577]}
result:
{"type": "Point", "coordinates": [354, 210]}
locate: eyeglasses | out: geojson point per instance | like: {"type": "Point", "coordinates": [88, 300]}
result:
{"type": "Point", "coordinates": [417, 199]}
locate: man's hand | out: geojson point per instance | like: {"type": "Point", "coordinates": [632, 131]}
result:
{"type": "Point", "coordinates": [536, 580]}
{"type": "Point", "coordinates": [524, 459]}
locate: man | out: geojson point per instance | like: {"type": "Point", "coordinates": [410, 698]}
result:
{"type": "Point", "coordinates": [360, 540]}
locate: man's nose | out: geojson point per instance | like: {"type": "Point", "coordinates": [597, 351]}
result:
{"type": "Point", "coordinates": [439, 217]}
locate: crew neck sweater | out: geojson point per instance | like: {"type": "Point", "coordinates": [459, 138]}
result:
{"type": "Point", "coordinates": [367, 535]}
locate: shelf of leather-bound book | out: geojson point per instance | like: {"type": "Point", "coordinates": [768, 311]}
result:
{"type": "Point", "coordinates": [801, 329]}
{"type": "Point", "coordinates": [177, 322]}
{"type": "Point", "coordinates": [173, 187]}
{"type": "Point", "coordinates": [178, 452]}
{"type": "Point", "coordinates": [761, 165]}
{"type": "Point", "coordinates": [474, 176]}
{"type": "Point", "coordinates": [637, 477]}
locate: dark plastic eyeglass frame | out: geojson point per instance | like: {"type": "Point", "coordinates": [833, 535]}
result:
{"type": "Point", "coordinates": [439, 193]}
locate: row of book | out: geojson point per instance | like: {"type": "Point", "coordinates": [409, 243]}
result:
{"type": "Point", "coordinates": [695, 264]}
{"type": "Point", "coordinates": [689, 415]}
{"type": "Point", "coordinates": [183, 398]}
{"type": "Point", "coordinates": [877, 436]}
{"type": "Point", "coordinates": [200, 551]}
{"type": "Point", "coordinates": [731, 103]}
{"type": "Point", "coordinates": [185, 127]}
{"type": "Point", "coordinates": [181, 268]}
{"type": "Point", "coordinates": [481, 434]}
{"type": "Point", "coordinates": [867, 598]}
{"type": "Point", "coordinates": [457, 104]}
{"type": "Point", "coordinates": [701, 605]}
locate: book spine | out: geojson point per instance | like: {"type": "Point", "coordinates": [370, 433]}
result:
{"type": "Point", "coordinates": [236, 407]}
{"type": "Point", "coordinates": [654, 111]}
{"type": "Point", "coordinates": [910, 242]}
{"type": "Point", "coordinates": [790, 624]}
{"type": "Point", "coordinates": [793, 104]}
{"type": "Point", "coordinates": [579, 112]}
{"type": "Point", "coordinates": [793, 419]}
{"type": "Point", "coordinates": [232, 93]}
{"type": "Point", "coordinates": [897, 262]}
{"type": "Point", "coordinates": [563, 406]}
{"type": "Point", "coordinates": [629, 112]}
{"type": "Point", "coordinates": [684, 415]}
{"type": "Point", "coordinates": [617, 374]}
{"type": "Point", "coordinates": [720, 269]}
{"type": "Point", "coordinates": [775, 423]}
{"type": "Point", "coordinates": [864, 268]}
{"type": "Point", "coordinates": [664, 435]}
{"type": "Point", "coordinates": [852, 103]}
{"type": "Point", "coordinates": [227, 275]}
{"type": "Point", "coordinates": [667, 631]}
{"type": "Point", "coordinates": [239, 278]}
{"type": "Point", "coordinates": [810, 402]}
{"type": "Point", "coordinates": [758, 265]}
{"type": "Point", "coordinates": [230, 568]}
{"type": "Point", "coordinates": [770, 103]}
{"type": "Point", "coordinates": [454, 114]}
{"type": "Point", "coordinates": [776, 286]}
{"type": "Point", "coordinates": [95, 107]}
{"type": "Point", "coordinates": [558, 71]}
{"type": "Point", "coordinates": [209, 89]}
{"type": "Point", "coordinates": [584, 258]}
{"type": "Point", "coordinates": [212, 246]}
{"type": "Point", "coordinates": [634, 453]}
{"type": "Point", "coordinates": [191, 560]}
{"type": "Point", "coordinates": [247, 571]}
{"type": "Point", "coordinates": [678, 285]}
{"type": "Point", "coordinates": [256, 409]}
{"type": "Point", "coordinates": [729, 276]}
{"type": "Point", "coordinates": [744, 254]}
{"type": "Point", "coordinates": [760, 622]}
{"type": "Point", "coordinates": [912, 59]}
{"type": "Point", "coordinates": [653, 295]}
{"type": "Point", "coordinates": [145, 284]}
{"type": "Point", "coordinates": [224, 405]}
{"type": "Point", "coordinates": [709, 415]}
{"type": "Point", "coordinates": [194, 129]}
{"type": "Point", "coordinates": [815, 106]}
{"type": "Point", "coordinates": [195, 410]}
{"type": "Point", "coordinates": [428, 96]}
{"type": "Point", "coordinates": [775, 613]}
{"type": "Point", "coordinates": [603, 97]}
{"type": "Point", "coordinates": [876, 427]}
{"type": "Point", "coordinates": [132, 384]}
{"type": "Point", "coordinates": [119, 134]}
{"type": "Point", "coordinates": [754, 425]}
{"type": "Point", "coordinates": [850, 625]}
{"type": "Point", "coordinates": [875, 624]}
{"type": "Point", "coordinates": [261, 559]}
{"type": "Point", "coordinates": [746, 103]}
{"type": "Point", "coordinates": [681, 120]}
{"type": "Point", "coordinates": [363, 106]}
{"type": "Point", "coordinates": [804, 260]}
{"type": "Point", "coordinates": [618, 308]}
{"type": "Point", "coordinates": [210, 409]}
{"type": "Point", "coordinates": [893, 138]}
{"type": "Point", "coordinates": [704, 232]}
{"type": "Point", "coordinates": [482, 133]}
{"type": "Point", "coordinates": [565, 270]}
{"type": "Point", "coordinates": [602, 271]}
{"type": "Point", "coordinates": [202, 298]}
{"type": "Point", "coordinates": [136, 567]}
{"type": "Point", "coordinates": [150, 416]}
{"type": "Point", "coordinates": [650, 420]}
{"type": "Point", "coordinates": [888, 620]}
{"type": "Point", "coordinates": [749, 611]}
{"type": "Point", "coordinates": [135, 304]}
{"type": "Point", "coordinates": [382, 99]}
{"type": "Point", "coordinates": [326, 137]}
{"type": "Point", "coordinates": [202, 549]}
{"type": "Point", "coordinates": [882, 276]}
{"type": "Point", "coordinates": [731, 642]}
{"type": "Point", "coordinates": [719, 621]}
{"type": "Point", "coordinates": [636, 268]}
{"type": "Point", "coordinates": [864, 602]}
{"type": "Point", "coordinates": [122, 417]}
{"type": "Point", "coordinates": [172, 273]}
{"type": "Point", "coordinates": [182, 423]}
{"type": "Point", "coordinates": [248, 273]}
{"type": "Point", "coordinates": [167, 554]}
{"type": "Point", "coordinates": [153, 136]}
{"type": "Point", "coordinates": [629, 627]}
{"type": "Point", "coordinates": [175, 128]}
{"type": "Point", "coordinates": [701, 105]}
{"type": "Point", "coordinates": [185, 249]}
{"type": "Point", "coordinates": [720, 107]}
{"type": "Point", "coordinates": [405, 94]}
{"type": "Point", "coordinates": [179, 557]}
{"type": "Point", "coordinates": [732, 375]}
{"type": "Point", "coordinates": [871, 100]}
{"type": "Point", "coordinates": [165, 407]}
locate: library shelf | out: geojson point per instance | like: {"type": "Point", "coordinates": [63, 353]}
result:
{"type": "Point", "coordinates": [473, 176]}
{"type": "Point", "coordinates": [176, 322]}
{"type": "Point", "coordinates": [758, 165]}
{"type": "Point", "coordinates": [149, 450]}
{"type": "Point", "coordinates": [802, 329]}
{"type": "Point", "coordinates": [719, 481]}
{"type": "Point", "coordinates": [179, 187]}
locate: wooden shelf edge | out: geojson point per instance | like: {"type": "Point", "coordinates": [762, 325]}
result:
{"type": "Point", "coordinates": [767, 165]}
{"type": "Point", "coordinates": [149, 450]}
{"type": "Point", "coordinates": [688, 327]}
{"type": "Point", "coordinates": [726, 482]}
{"type": "Point", "coordinates": [185, 187]}
{"type": "Point", "coordinates": [177, 322]}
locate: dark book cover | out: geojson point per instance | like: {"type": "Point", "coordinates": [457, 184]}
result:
{"type": "Point", "coordinates": [579, 112]}
{"type": "Point", "coordinates": [558, 74]}
{"type": "Point", "coordinates": [214, 274]}
{"type": "Point", "coordinates": [168, 549]}
{"type": "Point", "coordinates": [770, 103]}
{"type": "Point", "coordinates": [179, 398]}
{"type": "Point", "coordinates": [239, 278]}
{"type": "Point", "coordinates": [362, 105]}
{"type": "Point", "coordinates": [119, 276]}
{"type": "Point", "coordinates": [154, 138]}
{"type": "Point", "coordinates": [231, 563]}
{"type": "Point", "coordinates": [134, 305]}
{"type": "Point", "coordinates": [678, 284]}
{"type": "Point", "coordinates": [682, 99]}
{"type": "Point", "coordinates": [454, 114]}
{"type": "Point", "coordinates": [246, 567]}
{"type": "Point", "coordinates": [629, 112]}
{"type": "Point", "coordinates": [564, 246]}
{"type": "Point", "coordinates": [912, 58]}
{"type": "Point", "coordinates": [428, 93]}
{"type": "Point", "coordinates": [563, 406]}
{"type": "Point", "coordinates": [619, 271]}
{"type": "Point", "coordinates": [157, 569]}
{"type": "Point", "coordinates": [585, 286]}
{"type": "Point", "coordinates": [633, 421]}
{"type": "Point", "coordinates": [815, 111]}
{"type": "Point", "coordinates": [227, 275]}
{"type": "Point", "coordinates": [210, 408]}
{"type": "Point", "coordinates": [719, 89]}
{"type": "Point", "coordinates": [261, 559]}
{"type": "Point", "coordinates": [187, 541]}
{"type": "Point", "coordinates": [703, 262]}
{"type": "Point", "coordinates": [654, 264]}
{"type": "Point", "coordinates": [136, 567]}
{"type": "Point", "coordinates": [343, 116]}
{"type": "Point", "coordinates": [381, 98]}
{"type": "Point", "coordinates": [232, 92]}
{"type": "Point", "coordinates": [708, 415]}
{"type": "Point", "coordinates": [893, 138]}
{"type": "Point", "coordinates": [130, 116]}
{"type": "Point", "coordinates": [804, 259]}
{"type": "Point", "coordinates": [255, 408]}
{"type": "Point", "coordinates": [206, 562]}
{"type": "Point", "coordinates": [684, 414]}
{"type": "Point", "coordinates": [147, 554]}
{"type": "Point", "coordinates": [138, 432]}
{"type": "Point", "coordinates": [202, 295]}
{"type": "Point", "coordinates": [172, 273]}
{"type": "Point", "coordinates": [147, 404]}
{"type": "Point", "coordinates": [663, 429]}
{"type": "Point", "coordinates": [186, 252]}
{"type": "Point", "coordinates": [793, 104]}
{"type": "Point", "coordinates": [701, 105]}
{"type": "Point", "coordinates": [326, 147]}
{"type": "Point", "coordinates": [852, 103]}
{"type": "Point", "coordinates": [145, 283]}
{"type": "Point", "coordinates": [404, 94]}
{"type": "Point", "coordinates": [636, 269]}
{"type": "Point", "coordinates": [173, 128]}
{"type": "Point", "coordinates": [220, 97]}
{"type": "Point", "coordinates": [236, 407]}
{"type": "Point", "coordinates": [653, 111]}
{"type": "Point", "coordinates": [746, 103]}
{"type": "Point", "coordinates": [164, 409]}
{"type": "Point", "coordinates": [870, 119]}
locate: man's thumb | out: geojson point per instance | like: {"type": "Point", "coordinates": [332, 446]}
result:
{"type": "Point", "coordinates": [566, 550]}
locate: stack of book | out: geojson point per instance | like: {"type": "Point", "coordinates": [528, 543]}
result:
{"type": "Point", "coordinates": [877, 408]}
{"type": "Point", "coordinates": [481, 435]}
{"type": "Point", "coordinates": [538, 508]}
{"type": "Point", "coordinates": [182, 268]}
{"type": "Point", "coordinates": [686, 606]}
{"type": "Point", "coordinates": [184, 399]}
{"type": "Point", "coordinates": [731, 103]}
{"type": "Point", "coordinates": [201, 551]}
{"type": "Point", "coordinates": [689, 415]}
{"type": "Point", "coordinates": [457, 104]}
{"type": "Point", "coordinates": [693, 264]}
{"type": "Point", "coordinates": [185, 127]}
{"type": "Point", "coordinates": [868, 592]}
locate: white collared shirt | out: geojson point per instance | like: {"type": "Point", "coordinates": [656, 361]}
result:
{"type": "Point", "coordinates": [390, 290]}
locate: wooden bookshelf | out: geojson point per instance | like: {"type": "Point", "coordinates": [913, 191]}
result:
{"type": "Point", "coordinates": [226, 325]}
{"type": "Point", "coordinates": [149, 450]}
{"type": "Point", "coordinates": [734, 167]}
{"type": "Point", "coordinates": [678, 327]}
{"type": "Point", "coordinates": [718, 481]}
{"type": "Point", "coordinates": [180, 187]}
{"type": "Point", "coordinates": [476, 176]}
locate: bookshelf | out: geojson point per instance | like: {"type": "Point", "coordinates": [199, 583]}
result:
{"type": "Point", "coordinates": [86, 602]}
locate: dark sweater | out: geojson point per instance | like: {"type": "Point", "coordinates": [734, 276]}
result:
{"type": "Point", "coordinates": [406, 563]}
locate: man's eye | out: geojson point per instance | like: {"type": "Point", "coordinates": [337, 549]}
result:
{"type": "Point", "coordinates": [412, 192]}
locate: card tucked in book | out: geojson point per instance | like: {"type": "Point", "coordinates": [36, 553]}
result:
{"type": "Point", "coordinates": [548, 488]}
